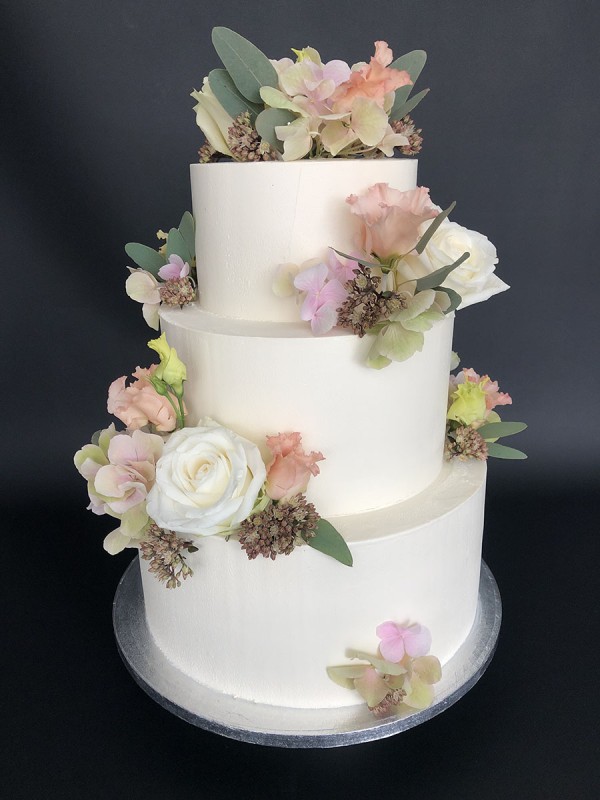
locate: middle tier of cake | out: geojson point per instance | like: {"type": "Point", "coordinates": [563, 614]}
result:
{"type": "Point", "coordinates": [381, 431]}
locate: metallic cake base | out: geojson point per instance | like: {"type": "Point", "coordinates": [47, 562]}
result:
{"type": "Point", "coordinates": [290, 727]}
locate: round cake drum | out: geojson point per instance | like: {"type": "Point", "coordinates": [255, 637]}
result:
{"type": "Point", "coordinates": [290, 727]}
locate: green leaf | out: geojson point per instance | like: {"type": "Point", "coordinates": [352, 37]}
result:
{"type": "Point", "coordinates": [268, 120]}
{"type": "Point", "coordinates": [187, 228]}
{"type": "Point", "coordinates": [248, 66]}
{"type": "Point", "coordinates": [433, 280]}
{"type": "Point", "coordinates": [402, 109]}
{"type": "Point", "coordinates": [375, 360]}
{"type": "Point", "coordinates": [424, 240]}
{"type": "Point", "coordinates": [454, 297]}
{"type": "Point", "coordinates": [413, 63]}
{"type": "Point", "coordinates": [176, 245]}
{"type": "Point", "coordinates": [145, 257]}
{"type": "Point", "coordinates": [360, 261]}
{"type": "Point", "coordinates": [494, 430]}
{"type": "Point", "coordinates": [226, 92]}
{"type": "Point", "coordinates": [501, 451]}
{"type": "Point", "coordinates": [331, 543]}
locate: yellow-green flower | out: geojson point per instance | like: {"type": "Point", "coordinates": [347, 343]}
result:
{"type": "Point", "coordinates": [468, 403]}
{"type": "Point", "coordinates": [171, 369]}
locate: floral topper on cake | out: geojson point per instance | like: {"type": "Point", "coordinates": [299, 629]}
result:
{"type": "Point", "coordinates": [400, 677]}
{"type": "Point", "coordinates": [410, 269]}
{"type": "Point", "coordinates": [160, 479]}
{"type": "Point", "coordinates": [260, 109]}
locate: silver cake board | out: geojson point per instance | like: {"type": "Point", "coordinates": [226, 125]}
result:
{"type": "Point", "coordinates": [290, 727]}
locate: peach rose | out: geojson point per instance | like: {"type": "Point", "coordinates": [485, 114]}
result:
{"type": "Point", "coordinates": [290, 470]}
{"type": "Point", "coordinates": [139, 404]}
{"type": "Point", "coordinates": [389, 220]}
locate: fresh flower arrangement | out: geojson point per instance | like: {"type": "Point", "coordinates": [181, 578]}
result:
{"type": "Point", "coordinates": [160, 479]}
{"type": "Point", "coordinates": [166, 275]}
{"type": "Point", "coordinates": [259, 109]}
{"type": "Point", "coordinates": [411, 268]}
{"type": "Point", "coordinates": [473, 427]}
{"type": "Point", "coordinates": [400, 677]}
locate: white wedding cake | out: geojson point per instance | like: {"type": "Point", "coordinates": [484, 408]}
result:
{"type": "Point", "coordinates": [301, 471]}
{"type": "Point", "coordinates": [266, 631]}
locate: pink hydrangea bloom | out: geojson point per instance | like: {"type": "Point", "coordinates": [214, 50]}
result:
{"type": "Point", "coordinates": [374, 80]}
{"type": "Point", "coordinates": [175, 269]}
{"type": "Point", "coordinates": [398, 640]}
{"type": "Point", "coordinates": [323, 297]}
{"type": "Point", "coordinates": [389, 220]}
{"type": "Point", "coordinates": [291, 467]}
{"type": "Point", "coordinates": [339, 268]}
{"type": "Point", "coordinates": [140, 404]}
{"type": "Point", "coordinates": [309, 82]}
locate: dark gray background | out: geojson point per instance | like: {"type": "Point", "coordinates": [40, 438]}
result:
{"type": "Point", "coordinates": [99, 131]}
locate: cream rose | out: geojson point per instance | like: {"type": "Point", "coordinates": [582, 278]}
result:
{"type": "Point", "coordinates": [474, 280]}
{"type": "Point", "coordinates": [207, 481]}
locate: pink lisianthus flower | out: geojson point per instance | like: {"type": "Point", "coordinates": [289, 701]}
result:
{"type": "Point", "coordinates": [374, 80]}
{"type": "Point", "coordinates": [323, 297]}
{"type": "Point", "coordinates": [175, 269]}
{"type": "Point", "coordinates": [397, 640]}
{"type": "Point", "coordinates": [493, 397]}
{"type": "Point", "coordinates": [389, 220]}
{"type": "Point", "coordinates": [291, 467]}
{"type": "Point", "coordinates": [139, 404]}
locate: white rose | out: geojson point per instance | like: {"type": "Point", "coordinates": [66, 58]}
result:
{"type": "Point", "coordinates": [207, 481]}
{"type": "Point", "coordinates": [474, 280]}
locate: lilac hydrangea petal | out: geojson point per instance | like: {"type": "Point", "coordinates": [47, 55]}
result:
{"type": "Point", "coordinates": [417, 640]}
{"type": "Point", "coordinates": [392, 649]}
{"type": "Point", "coordinates": [311, 280]}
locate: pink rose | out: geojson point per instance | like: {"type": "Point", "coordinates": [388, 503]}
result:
{"type": "Point", "coordinates": [373, 81]}
{"type": "Point", "coordinates": [290, 470]}
{"type": "Point", "coordinates": [139, 404]}
{"type": "Point", "coordinates": [390, 219]}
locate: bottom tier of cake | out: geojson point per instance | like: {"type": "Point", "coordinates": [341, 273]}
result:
{"type": "Point", "coordinates": [266, 631]}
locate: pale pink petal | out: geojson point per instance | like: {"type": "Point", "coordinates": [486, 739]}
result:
{"type": "Point", "coordinates": [324, 320]}
{"type": "Point", "coordinates": [417, 640]}
{"type": "Point", "coordinates": [333, 294]}
{"type": "Point", "coordinates": [392, 649]}
{"type": "Point", "coordinates": [383, 54]}
{"type": "Point", "coordinates": [312, 279]}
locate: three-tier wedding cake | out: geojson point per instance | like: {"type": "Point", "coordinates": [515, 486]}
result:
{"type": "Point", "coordinates": [300, 467]}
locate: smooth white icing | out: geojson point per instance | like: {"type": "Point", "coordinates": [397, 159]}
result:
{"type": "Point", "coordinates": [251, 217]}
{"type": "Point", "coordinates": [381, 431]}
{"type": "Point", "coordinates": [266, 631]}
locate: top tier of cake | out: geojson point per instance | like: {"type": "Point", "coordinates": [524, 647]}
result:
{"type": "Point", "coordinates": [252, 217]}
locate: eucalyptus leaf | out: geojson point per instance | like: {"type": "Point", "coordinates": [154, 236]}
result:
{"type": "Point", "coordinates": [434, 279]}
{"type": "Point", "coordinates": [360, 261]}
{"type": "Point", "coordinates": [187, 228]}
{"type": "Point", "coordinates": [495, 430]}
{"type": "Point", "coordinates": [402, 109]}
{"type": "Point", "coordinates": [501, 451]}
{"type": "Point", "coordinates": [226, 92]}
{"type": "Point", "coordinates": [328, 541]}
{"type": "Point", "coordinates": [248, 67]}
{"type": "Point", "coordinates": [145, 257]}
{"type": "Point", "coordinates": [424, 240]}
{"type": "Point", "coordinates": [413, 63]}
{"type": "Point", "coordinates": [176, 245]}
{"type": "Point", "coordinates": [268, 120]}
{"type": "Point", "coordinates": [454, 297]}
